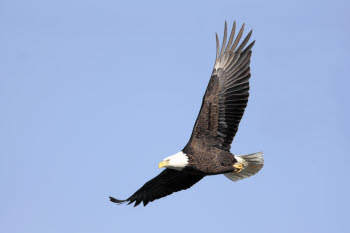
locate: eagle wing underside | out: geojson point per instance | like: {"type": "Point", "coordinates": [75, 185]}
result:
{"type": "Point", "coordinates": [166, 183]}
{"type": "Point", "coordinates": [227, 94]}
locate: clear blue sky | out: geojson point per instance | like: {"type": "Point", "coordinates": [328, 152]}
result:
{"type": "Point", "coordinates": [93, 94]}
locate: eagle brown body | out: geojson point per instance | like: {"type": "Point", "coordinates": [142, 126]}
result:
{"type": "Point", "coordinates": [208, 150]}
{"type": "Point", "coordinates": [209, 162]}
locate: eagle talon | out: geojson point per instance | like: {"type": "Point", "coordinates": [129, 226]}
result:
{"type": "Point", "coordinates": [238, 167]}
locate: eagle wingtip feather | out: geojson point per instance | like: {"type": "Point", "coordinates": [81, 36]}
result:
{"type": "Point", "coordinates": [117, 201]}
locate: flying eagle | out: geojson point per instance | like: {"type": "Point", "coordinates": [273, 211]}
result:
{"type": "Point", "coordinates": [208, 150]}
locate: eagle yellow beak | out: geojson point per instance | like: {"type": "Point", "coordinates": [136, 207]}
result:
{"type": "Point", "coordinates": [163, 164]}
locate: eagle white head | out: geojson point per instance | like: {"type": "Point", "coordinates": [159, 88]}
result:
{"type": "Point", "coordinates": [177, 161]}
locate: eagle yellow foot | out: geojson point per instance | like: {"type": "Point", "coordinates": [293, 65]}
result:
{"type": "Point", "coordinates": [238, 167]}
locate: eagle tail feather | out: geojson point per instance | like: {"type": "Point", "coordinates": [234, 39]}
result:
{"type": "Point", "coordinates": [252, 163]}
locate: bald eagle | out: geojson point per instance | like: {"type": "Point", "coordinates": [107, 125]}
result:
{"type": "Point", "coordinates": [208, 150]}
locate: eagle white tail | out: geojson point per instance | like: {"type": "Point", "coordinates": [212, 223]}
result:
{"type": "Point", "coordinates": [252, 163]}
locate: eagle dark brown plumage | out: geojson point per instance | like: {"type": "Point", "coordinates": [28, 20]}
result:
{"type": "Point", "coordinates": [208, 150]}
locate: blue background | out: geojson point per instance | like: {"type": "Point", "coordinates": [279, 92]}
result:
{"type": "Point", "coordinates": [94, 94]}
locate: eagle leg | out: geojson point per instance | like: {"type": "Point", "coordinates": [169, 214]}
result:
{"type": "Point", "coordinates": [238, 166]}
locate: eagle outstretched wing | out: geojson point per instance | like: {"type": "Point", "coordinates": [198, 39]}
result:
{"type": "Point", "coordinates": [227, 94]}
{"type": "Point", "coordinates": [166, 183]}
